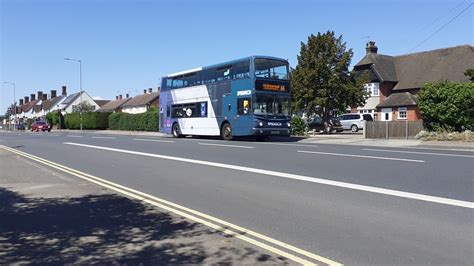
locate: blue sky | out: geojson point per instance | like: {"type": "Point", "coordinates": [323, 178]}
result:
{"type": "Point", "coordinates": [126, 46]}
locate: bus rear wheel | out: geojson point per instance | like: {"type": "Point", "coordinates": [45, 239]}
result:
{"type": "Point", "coordinates": [226, 132]}
{"type": "Point", "coordinates": [175, 131]}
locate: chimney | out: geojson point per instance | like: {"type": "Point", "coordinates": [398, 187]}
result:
{"type": "Point", "coordinates": [144, 91]}
{"type": "Point", "coordinates": [120, 97]}
{"type": "Point", "coordinates": [64, 93]}
{"type": "Point", "coordinates": [32, 97]}
{"type": "Point", "coordinates": [45, 97]}
{"type": "Point", "coordinates": [53, 94]}
{"type": "Point", "coordinates": [116, 97]}
{"type": "Point", "coordinates": [150, 90]}
{"type": "Point", "coordinates": [27, 99]}
{"type": "Point", "coordinates": [371, 48]}
{"type": "Point", "coordinates": [21, 102]}
{"type": "Point", "coordinates": [127, 96]}
{"type": "Point", "coordinates": [40, 95]}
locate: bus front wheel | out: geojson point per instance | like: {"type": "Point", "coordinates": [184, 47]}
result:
{"type": "Point", "coordinates": [175, 131]}
{"type": "Point", "coordinates": [226, 132]}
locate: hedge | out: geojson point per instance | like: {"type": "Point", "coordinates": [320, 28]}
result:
{"type": "Point", "coordinates": [137, 122]}
{"type": "Point", "coordinates": [90, 120]}
{"type": "Point", "coordinates": [447, 106]}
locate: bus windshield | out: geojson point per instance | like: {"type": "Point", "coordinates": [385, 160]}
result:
{"type": "Point", "coordinates": [271, 105]}
{"type": "Point", "coordinates": [271, 69]}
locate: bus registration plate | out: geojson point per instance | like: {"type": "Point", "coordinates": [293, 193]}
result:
{"type": "Point", "coordinates": [275, 132]}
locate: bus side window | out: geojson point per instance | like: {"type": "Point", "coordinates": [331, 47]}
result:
{"type": "Point", "coordinates": [243, 106]}
{"type": "Point", "coordinates": [241, 69]}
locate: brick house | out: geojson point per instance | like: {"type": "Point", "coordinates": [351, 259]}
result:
{"type": "Point", "coordinates": [395, 80]}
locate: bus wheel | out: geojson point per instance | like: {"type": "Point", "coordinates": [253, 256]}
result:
{"type": "Point", "coordinates": [226, 132]}
{"type": "Point", "coordinates": [175, 131]}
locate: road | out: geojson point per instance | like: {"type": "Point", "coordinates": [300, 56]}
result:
{"type": "Point", "coordinates": [349, 204]}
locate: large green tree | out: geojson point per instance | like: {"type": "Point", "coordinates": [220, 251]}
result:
{"type": "Point", "coordinates": [322, 81]}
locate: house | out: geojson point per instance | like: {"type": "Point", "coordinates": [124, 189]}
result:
{"type": "Point", "coordinates": [72, 102]}
{"type": "Point", "coordinates": [52, 104]}
{"type": "Point", "coordinates": [101, 103]}
{"type": "Point", "coordinates": [141, 103]}
{"type": "Point", "coordinates": [114, 106]}
{"type": "Point", "coordinates": [395, 80]}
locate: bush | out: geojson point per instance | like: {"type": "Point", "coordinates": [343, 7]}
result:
{"type": "Point", "coordinates": [52, 118]}
{"type": "Point", "coordinates": [447, 106]}
{"type": "Point", "coordinates": [90, 120]}
{"type": "Point", "coordinates": [298, 126]}
{"type": "Point", "coordinates": [467, 136]}
{"type": "Point", "coordinates": [147, 121]}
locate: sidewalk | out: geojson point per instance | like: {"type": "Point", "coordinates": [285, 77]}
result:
{"type": "Point", "coordinates": [48, 217]}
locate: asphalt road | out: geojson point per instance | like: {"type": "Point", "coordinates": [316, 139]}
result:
{"type": "Point", "coordinates": [351, 204]}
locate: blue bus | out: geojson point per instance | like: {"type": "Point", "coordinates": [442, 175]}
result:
{"type": "Point", "coordinates": [244, 97]}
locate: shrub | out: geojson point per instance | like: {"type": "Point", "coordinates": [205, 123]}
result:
{"type": "Point", "coordinates": [52, 118]}
{"type": "Point", "coordinates": [90, 120]}
{"type": "Point", "coordinates": [298, 126]}
{"type": "Point", "coordinates": [147, 121]}
{"type": "Point", "coordinates": [447, 106]}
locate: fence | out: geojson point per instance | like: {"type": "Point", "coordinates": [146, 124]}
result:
{"type": "Point", "coordinates": [392, 129]}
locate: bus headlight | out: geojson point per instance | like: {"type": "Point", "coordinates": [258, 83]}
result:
{"type": "Point", "coordinates": [288, 124]}
{"type": "Point", "coordinates": [260, 124]}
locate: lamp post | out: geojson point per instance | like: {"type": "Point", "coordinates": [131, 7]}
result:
{"type": "Point", "coordinates": [14, 103]}
{"type": "Point", "coordinates": [80, 84]}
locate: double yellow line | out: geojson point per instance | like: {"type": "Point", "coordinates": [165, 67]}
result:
{"type": "Point", "coordinates": [280, 248]}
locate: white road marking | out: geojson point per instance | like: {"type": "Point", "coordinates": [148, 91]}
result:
{"type": "Point", "coordinates": [396, 193]}
{"type": "Point", "coordinates": [363, 156]}
{"type": "Point", "coordinates": [210, 221]}
{"type": "Point", "coordinates": [437, 149]}
{"type": "Point", "coordinates": [74, 136]}
{"type": "Point", "coordinates": [286, 144]}
{"type": "Point", "coordinates": [225, 145]}
{"type": "Point", "coordinates": [103, 137]}
{"type": "Point", "coordinates": [155, 140]}
{"type": "Point", "coordinates": [427, 153]}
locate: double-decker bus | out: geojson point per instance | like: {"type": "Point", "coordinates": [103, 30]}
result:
{"type": "Point", "coordinates": [244, 97]}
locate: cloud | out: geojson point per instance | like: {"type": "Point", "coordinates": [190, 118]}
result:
{"type": "Point", "coordinates": [97, 98]}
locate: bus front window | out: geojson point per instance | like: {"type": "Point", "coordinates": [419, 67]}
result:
{"type": "Point", "coordinates": [271, 69]}
{"type": "Point", "coordinates": [271, 105]}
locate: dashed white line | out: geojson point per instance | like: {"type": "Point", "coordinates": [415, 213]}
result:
{"type": "Point", "coordinates": [74, 136]}
{"type": "Point", "coordinates": [363, 156]}
{"type": "Point", "coordinates": [287, 144]}
{"type": "Point", "coordinates": [103, 137]}
{"type": "Point", "coordinates": [155, 140]}
{"type": "Point", "coordinates": [396, 193]}
{"type": "Point", "coordinates": [225, 145]}
{"type": "Point", "coordinates": [424, 153]}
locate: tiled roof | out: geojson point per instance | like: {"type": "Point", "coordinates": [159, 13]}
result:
{"type": "Point", "coordinates": [398, 99]}
{"type": "Point", "coordinates": [142, 99]}
{"type": "Point", "coordinates": [113, 105]}
{"type": "Point", "coordinates": [101, 103]}
{"type": "Point", "coordinates": [411, 71]}
{"type": "Point", "coordinates": [51, 102]}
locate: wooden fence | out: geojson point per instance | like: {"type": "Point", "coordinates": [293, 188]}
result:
{"type": "Point", "coordinates": [392, 129]}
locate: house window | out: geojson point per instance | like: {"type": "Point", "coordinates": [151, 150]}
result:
{"type": "Point", "coordinates": [402, 113]}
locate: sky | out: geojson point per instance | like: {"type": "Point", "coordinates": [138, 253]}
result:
{"type": "Point", "coordinates": [126, 46]}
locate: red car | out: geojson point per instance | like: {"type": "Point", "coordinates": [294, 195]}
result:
{"type": "Point", "coordinates": [40, 125]}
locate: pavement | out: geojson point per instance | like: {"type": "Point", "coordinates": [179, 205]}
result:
{"type": "Point", "coordinates": [350, 204]}
{"type": "Point", "coordinates": [48, 217]}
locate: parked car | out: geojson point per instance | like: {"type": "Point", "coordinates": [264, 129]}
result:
{"type": "Point", "coordinates": [40, 125]}
{"type": "Point", "coordinates": [354, 121]}
{"type": "Point", "coordinates": [20, 126]}
{"type": "Point", "coordinates": [316, 123]}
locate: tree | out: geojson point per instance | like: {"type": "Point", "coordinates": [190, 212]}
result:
{"type": "Point", "coordinates": [84, 106]}
{"type": "Point", "coordinates": [470, 73]}
{"type": "Point", "coordinates": [322, 81]}
{"type": "Point", "coordinates": [447, 106]}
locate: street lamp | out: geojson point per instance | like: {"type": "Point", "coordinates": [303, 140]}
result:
{"type": "Point", "coordinates": [80, 84]}
{"type": "Point", "coordinates": [14, 103]}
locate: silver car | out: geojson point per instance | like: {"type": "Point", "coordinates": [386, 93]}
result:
{"type": "Point", "coordinates": [354, 121]}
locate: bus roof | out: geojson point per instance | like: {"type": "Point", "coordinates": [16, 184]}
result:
{"type": "Point", "coordinates": [223, 64]}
